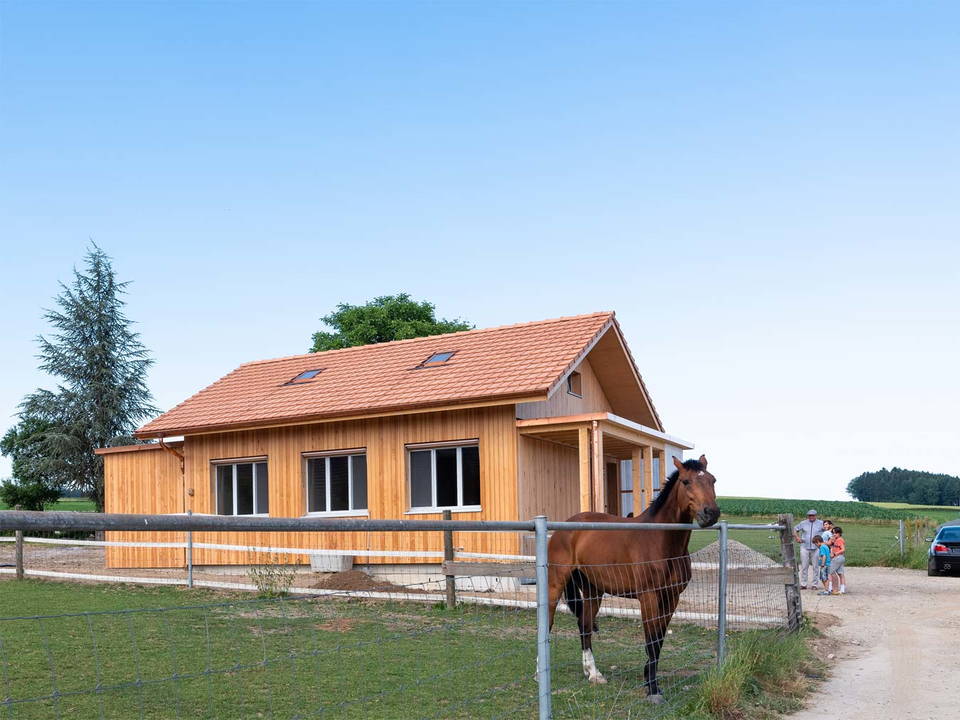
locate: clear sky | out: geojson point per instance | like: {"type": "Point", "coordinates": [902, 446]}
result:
{"type": "Point", "coordinates": [766, 193]}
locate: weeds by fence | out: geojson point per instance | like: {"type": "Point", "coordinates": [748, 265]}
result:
{"type": "Point", "coordinates": [381, 639]}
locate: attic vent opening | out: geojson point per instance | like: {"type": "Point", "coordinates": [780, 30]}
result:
{"type": "Point", "coordinates": [437, 359]}
{"type": "Point", "coordinates": [305, 376]}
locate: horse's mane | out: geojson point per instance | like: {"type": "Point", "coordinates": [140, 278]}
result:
{"type": "Point", "coordinates": [664, 494]}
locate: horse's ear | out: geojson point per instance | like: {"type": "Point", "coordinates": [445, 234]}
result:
{"type": "Point", "coordinates": [676, 462]}
{"type": "Point", "coordinates": [703, 461]}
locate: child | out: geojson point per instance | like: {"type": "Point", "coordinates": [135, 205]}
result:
{"type": "Point", "coordinates": [838, 549]}
{"type": "Point", "coordinates": [823, 563]}
{"type": "Point", "coordinates": [827, 533]}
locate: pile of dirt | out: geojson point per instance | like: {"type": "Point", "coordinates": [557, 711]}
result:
{"type": "Point", "coordinates": [738, 556]}
{"type": "Point", "coordinates": [359, 580]}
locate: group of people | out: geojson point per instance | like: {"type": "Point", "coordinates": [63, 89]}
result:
{"type": "Point", "coordinates": [822, 549]}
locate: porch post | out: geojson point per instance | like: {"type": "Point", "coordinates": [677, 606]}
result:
{"type": "Point", "coordinates": [599, 486]}
{"type": "Point", "coordinates": [636, 480]}
{"type": "Point", "coordinates": [583, 435]}
{"type": "Point", "coordinates": [648, 473]}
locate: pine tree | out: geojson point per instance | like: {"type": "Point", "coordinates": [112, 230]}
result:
{"type": "Point", "coordinates": [100, 366]}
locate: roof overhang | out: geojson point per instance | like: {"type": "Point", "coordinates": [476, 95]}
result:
{"type": "Point", "coordinates": [337, 417]}
{"type": "Point", "coordinates": [627, 433]}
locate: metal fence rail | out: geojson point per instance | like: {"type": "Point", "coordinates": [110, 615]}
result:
{"type": "Point", "coordinates": [426, 633]}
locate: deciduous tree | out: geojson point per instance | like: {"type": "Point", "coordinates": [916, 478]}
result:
{"type": "Point", "coordinates": [390, 317]}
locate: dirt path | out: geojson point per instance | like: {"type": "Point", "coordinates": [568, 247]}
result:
{"type": "Point", "coordinates": [895, 641]}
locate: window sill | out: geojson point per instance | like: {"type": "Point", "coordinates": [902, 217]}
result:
{"type": "Point", "coordinates": [339, 513]}
{"type": "Point", "coordinates": [437, 510]}
{"type": "Point", "coordinates": [239, 514]}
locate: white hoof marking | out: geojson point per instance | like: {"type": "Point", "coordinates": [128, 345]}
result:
{"type": "Point", "coordinates": [590, 669]}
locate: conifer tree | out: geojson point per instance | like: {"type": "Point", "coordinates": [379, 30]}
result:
{"type": "Point", "coordinates": [100, 366]}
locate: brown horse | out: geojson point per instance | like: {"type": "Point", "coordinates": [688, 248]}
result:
{"type": "Point", "coordinates": [652, 566]}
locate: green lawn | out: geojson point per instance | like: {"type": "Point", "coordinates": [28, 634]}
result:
{"type": "Point", "coordinates": [68, 504]}
{"type": "Point", "coordinates": [939, 513]}
{"type": "Point", "coordinates": [868, 543]}
{"type": "Point", "coordinates": [215, 655]}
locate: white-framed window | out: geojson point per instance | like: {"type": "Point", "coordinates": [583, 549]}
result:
{"type": "Point", "coordinates": [337, 482]}
{"type": "Point", "coordinates": [242, 487]}
{"type": "Point", "coordinates": [444, 477]}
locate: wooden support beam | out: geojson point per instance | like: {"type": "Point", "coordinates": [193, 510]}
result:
{"type": "Point", "coordinates": [636, 481]}
{"type": "Point", "coordinates": [663, 467]}
{"type": "Point", "coordinates": [648, 474]}
{"type": "Point", "coordinates": [583, 435]}
{"type": "Point", "coordinates": [598, 467]}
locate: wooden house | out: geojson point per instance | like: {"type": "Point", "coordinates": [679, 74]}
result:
{"type": "Point", "coordinates": [504, 423]}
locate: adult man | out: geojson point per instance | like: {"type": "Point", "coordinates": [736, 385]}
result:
{"type": "Point", "coordinates": [803, 533]}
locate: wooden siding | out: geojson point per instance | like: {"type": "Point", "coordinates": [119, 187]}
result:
{"type": "Point", "coordinates": [143, 481]}
{"type": "Point", "coordinates": [563, 403]}
{"type": "Point", "coordinates": [549, 479]}
{"type": "Point", "coordinates": [385, 440]}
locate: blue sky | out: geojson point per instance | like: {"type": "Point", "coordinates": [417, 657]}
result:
{"type": "Point", "coordinates": [766, 193]}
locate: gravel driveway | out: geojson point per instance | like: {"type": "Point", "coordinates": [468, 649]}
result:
{"type": "Point", "coordinates": [896, 641]}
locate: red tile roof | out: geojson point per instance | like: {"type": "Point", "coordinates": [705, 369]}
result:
{"type": "Point", "coordinates": [489, 365]}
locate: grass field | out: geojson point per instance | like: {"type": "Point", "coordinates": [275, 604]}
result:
{"type": "Point", "coordinates": [870, 529]}
{"type": "Point", "coordinates": [940, 513]}
{"type": "Point", "coordinates": [867, 543]}
{"type": "Point", "coordinates": [213, 655]}
{"type": "Point", "coordinates": [68, 504]}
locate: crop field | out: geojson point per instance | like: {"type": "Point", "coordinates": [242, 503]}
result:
{"type": "Point", "coordinates": [870, 529]}
{"type": "Point", "coordinates": [836, 509]}
{"type": "Point", "coordinates": [160, 652]}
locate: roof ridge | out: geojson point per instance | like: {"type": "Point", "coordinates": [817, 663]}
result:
{"type": "Point", "coordinates": [394, 343]}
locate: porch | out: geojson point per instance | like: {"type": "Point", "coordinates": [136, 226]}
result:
{"type": "Point", "coordinates": [621, 464]}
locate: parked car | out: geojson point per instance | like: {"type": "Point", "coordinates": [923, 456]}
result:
{"type": "Point", "coordinates": [944, 553]}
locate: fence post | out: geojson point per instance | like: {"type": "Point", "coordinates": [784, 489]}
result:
{"type": "Point", "coordinates": [19, 538]}
{"type": "Point", "coordinates": [189, 555]}
{"type": "Point", "coordinates": [448, 557]}
{"type": "Point", "coordinates": [792, 590]}
{"type": "Point", "coordinates": [900, 536]}
{"type": "Point", "coordinates": [543, 620]}
{"type": "Point", "coordinates": [722, 595]}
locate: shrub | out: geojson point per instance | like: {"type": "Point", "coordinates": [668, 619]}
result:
{"type": "Point", "coordinates": [271, 578]}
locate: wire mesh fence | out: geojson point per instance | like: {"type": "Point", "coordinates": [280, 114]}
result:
{"type": "Point", "coordinates": [436, 633]}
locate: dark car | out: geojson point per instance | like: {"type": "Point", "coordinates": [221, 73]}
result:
{"type": "Point", "coordinates": [944, 554]}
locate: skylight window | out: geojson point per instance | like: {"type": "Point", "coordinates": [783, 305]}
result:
{"type": "Point", "coordinates": [437, 359]}
{"type": "Point", "coordinates": [305, 376]}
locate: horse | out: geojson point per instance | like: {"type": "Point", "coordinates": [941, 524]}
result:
{"type": "Point", "coordinates": [652, 566]}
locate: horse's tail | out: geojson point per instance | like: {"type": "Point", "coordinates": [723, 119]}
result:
{"type": "Point", "coordinates": [574, 592]}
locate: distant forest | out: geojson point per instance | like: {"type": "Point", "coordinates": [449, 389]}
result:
{"type": "Point", "coordinates": [907, 486]}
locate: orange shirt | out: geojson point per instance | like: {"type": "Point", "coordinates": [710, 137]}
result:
{"type": "Point", "coordinates": [838, 546]}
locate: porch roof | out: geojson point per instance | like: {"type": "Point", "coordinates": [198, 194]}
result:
{"type": "Point", "coordinates": [621, 436]}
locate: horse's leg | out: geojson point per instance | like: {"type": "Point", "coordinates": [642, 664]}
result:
{"type": "Point", "coordinates": [557, 577]}
{"type": "Point", "coordinates": [657, 607]}
{"type": "Point", "coordinates": [592, 597]}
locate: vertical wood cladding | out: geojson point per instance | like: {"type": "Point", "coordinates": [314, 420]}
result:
{"type": "Point", "coordinates": [549, 479]}
{"type": "Point", "coordinates": [563, 403]}
{"type": "Point", "coordinates": [385, 440]}
{"type": "Point", "coordinates": [143, 481]}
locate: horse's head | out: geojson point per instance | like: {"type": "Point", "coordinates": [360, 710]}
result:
{"type": "Point", "coordinates": [696, 495]}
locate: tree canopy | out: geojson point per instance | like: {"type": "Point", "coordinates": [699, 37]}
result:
{"type": "Point", "coordinates": [35, 484]}
{"type": "Point", "coordinates": [100, 366]}
{"type": "Point", "coordinates": [386, 318]}
{"type": "Point", "coordinates": [906, 486]}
